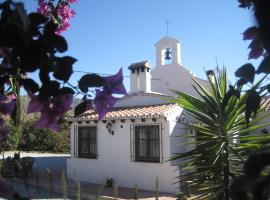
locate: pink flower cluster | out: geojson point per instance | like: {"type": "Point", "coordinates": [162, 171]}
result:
{"type": "Point", "coordinates": [51, 110]}
{"type": "Point", "coordinates": [63, 12]}
{"type": "Point", "coordinates": [253, 33]}
{"type": "Point", "coordinates": [7, 105]}
{"type": "Point", "coordinates": [256, 47]}
{"type": "Point", "coordinates": [104, 101]}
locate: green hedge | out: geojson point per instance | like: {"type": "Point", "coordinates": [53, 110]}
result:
{"type": "Point", "coordinates": [44, 140]}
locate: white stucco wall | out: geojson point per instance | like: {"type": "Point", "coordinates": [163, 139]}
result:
{"type": "Point", "coordinates": [172, 76]}
{"type": "Point", "coordinates": [114, 159]}
{"type": "Point", "coordinates": [142, 99]}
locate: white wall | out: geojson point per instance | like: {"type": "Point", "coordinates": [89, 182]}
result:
{"type": "Point", "coordinates": [114, 160]}
{"type": "Point", "coordinates": [141, 99]}
{"type": "Point", "coordinates": [172, 77]}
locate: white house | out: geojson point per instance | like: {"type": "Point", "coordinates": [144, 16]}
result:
{"type": "Point", "coordinates": [133, 143]}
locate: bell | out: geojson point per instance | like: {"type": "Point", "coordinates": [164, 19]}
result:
{"type": "Point", "coordinates": [168, 54]}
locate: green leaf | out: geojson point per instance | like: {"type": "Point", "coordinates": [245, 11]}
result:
{"type": "Point", "coordinates": [30, 85]}
{"type": "Point", "coordinates": [63, 69]}
{"type": "Point", "coordinates": [252, 103]}
{"type": "Point", "coordinates": [246, 72]}
{"type": "Point", "coordinates": [264, 67]}
{"type": "Point", "coordinates": [90, 80]}
{"type": "Point", "coordinates": [80, 108]}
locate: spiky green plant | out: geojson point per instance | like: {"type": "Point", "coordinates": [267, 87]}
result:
{"type": "Point", "coordinates": [64, 184]}
{"type": "Point", "coordinates": [50, 181]}
{"type": "Point", "coordinates": [115, 191]}
{"type": "Point", "coordinates": [222, 140]}
{"type": "Point", "coordinates": [136, 193]}
{"type": "Point", "coordinates": [157, 189]}
{"type": "Point", "coordinates": [37, 179]}
{"type": "Point", "coordinates": [78, 188]}
{"type": "Point", "coordinates": [100, 190]}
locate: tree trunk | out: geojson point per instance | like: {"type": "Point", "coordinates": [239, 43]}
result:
{"type": "Point", "coordinates": [16, 116]}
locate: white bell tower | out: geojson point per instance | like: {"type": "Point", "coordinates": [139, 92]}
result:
{"type": "Point", "coordinates": [168, 48]}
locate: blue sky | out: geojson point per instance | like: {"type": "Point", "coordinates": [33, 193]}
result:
{"type": "Point", "coordinates": [108, 34]}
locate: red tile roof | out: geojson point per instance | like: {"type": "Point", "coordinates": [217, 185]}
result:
{"type": "Point", "coordinates": [265, 103]}
{"type": "Point", "coordinates": [148, 111]}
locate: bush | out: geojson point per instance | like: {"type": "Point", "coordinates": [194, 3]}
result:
{"type": "Point", "coordinates": [45, 140]}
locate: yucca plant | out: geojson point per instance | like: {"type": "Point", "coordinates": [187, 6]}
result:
{"type": "Point", "coordinates": [223, 136]}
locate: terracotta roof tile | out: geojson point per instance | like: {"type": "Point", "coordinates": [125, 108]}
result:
{"type": "Point", "coordinates": [149, 111]}
{"type": "Point", "coordinates": [265, 103]}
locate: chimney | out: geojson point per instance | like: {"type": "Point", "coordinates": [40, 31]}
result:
{"type": "Point", "coordinates": [140, 78]}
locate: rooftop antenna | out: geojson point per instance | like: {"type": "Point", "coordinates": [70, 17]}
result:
{"type": "Point", "coordinates": [167, 25]}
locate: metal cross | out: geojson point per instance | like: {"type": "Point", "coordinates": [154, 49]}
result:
{"type": "Point", "coordinates": [167, 23]}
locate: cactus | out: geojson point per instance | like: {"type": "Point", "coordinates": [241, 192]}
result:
{"type": "Point", "coordinates": [50, 181]}
{"type": "Point", "coordinates": [64, 185]}
{"type": "Point", "coordinates": [37, 180]}
{"type": "Point", "coordinates": [135, 192]}
{"type": "Point", "coordinates": [78, 188]}
{"type": "Point", "coordinates": [100, 190]}
{"type": "Point", "coordinates": [157, 188]}
{"type": "Point", "coordinates": [115, 191]}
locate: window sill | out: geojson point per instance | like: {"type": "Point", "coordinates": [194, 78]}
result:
{"type": "Point", "coordinates": [148, 161]}
{"type": "Point", "coordinates": [87, 157]}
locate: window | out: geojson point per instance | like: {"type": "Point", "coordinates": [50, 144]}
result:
{"type": "Point", "coordinates": [87, 142]}
{"type": "Point", "coordinates": [147, 143]}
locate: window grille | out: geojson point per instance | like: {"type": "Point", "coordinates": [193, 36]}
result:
{"type": "Point", "coordinates": [87, 142]}
{"type": "Point", "coordinates": [147, 143]}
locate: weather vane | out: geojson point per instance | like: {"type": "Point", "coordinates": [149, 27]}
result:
{"type": "Point", "coordinates": [167, 24]}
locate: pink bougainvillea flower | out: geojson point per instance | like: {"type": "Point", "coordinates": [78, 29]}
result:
{"type": "Point", "coordinates": [114, 84]}
{"type": "Point", "coordinates": [64, 13]}
{"type": "Point", "coordinates": [35, 105]}
{"type": "Point", "coordinates": [72, 1]}
{"type": "Point", "coordinates": [251, 33]}
{"type": "Point", "coordinates": [3, 130]}
{"type": "Point", "coordinates": [104, 102]}
{"type": "Point", "coordinates": [256, 49]}
{"type": "Point", "coordinates": [5, 58]}
{"type": "Point", "coordinates": [50, 110]}
{"type": "Point", "coordinates": [245, 3]}
{"type": "Point", "coordinates": [44, 7]}
{"type": "Point", "coordinates": [6, 191]}
{"type": "Point", "coordinates": [48, 120]}
{"type": "Point", "coordinates": [3, 133]}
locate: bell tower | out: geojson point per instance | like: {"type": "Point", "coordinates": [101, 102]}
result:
{"type": "Point", "coordinates": [168, 51]}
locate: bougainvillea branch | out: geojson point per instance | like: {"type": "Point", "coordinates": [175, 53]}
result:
{"type": "Point", "coordinates": [60, 13]}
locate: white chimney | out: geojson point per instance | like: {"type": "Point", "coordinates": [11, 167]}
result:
{"type": "Point", "coordinates": [140, 78]}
